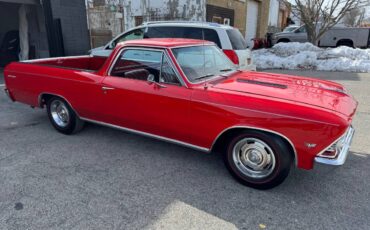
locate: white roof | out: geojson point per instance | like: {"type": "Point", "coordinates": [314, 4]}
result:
{"type": "Point", "coordinates": [187, 24]}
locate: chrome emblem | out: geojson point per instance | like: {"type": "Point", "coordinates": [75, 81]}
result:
{"type": "Point", "coordinates": [310, 145]}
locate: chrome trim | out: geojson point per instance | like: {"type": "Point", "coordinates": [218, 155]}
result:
{"type": "Point", "coordinates": [106, 88]}
{"type": "Point", "coordinates": [148, 135]}
{"type": "Point", "coordinates": [336, 140]}
{"type": "Point", "coordinates": [158, 49]}
{"type": "Point", "coordinates": [53, 58]}
{"type": "Point", "coordinates": [172, 64]}
{"type": "Point", "coordinates": [342, 156]}
{"type": "Point", "coordinates": [261, 129]}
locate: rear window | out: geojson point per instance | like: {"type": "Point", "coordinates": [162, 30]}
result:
{"type": "Point", "coordinates": [174, 32]}
{"type": "Point", "coordinates": [212, 35]}
{"type": "Point", "coordinates": [236, 39]}
{"type": "Point", "coordinates": [183, 32]}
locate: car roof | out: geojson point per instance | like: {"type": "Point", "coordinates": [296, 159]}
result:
{"type": "Point", "coordinates": [166, 42]}
{"type": "Point", "coordinates": [187, 24]}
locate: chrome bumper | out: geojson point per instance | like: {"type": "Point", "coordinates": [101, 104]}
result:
{"type": "Point", "coordinates": [342, 155]}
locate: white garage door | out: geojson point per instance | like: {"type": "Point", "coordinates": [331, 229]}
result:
{"type": "Point", "coordinates": [252, 19]}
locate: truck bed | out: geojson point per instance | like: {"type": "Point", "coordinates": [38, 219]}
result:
{"type": "Point", "coordinates": [360, 37]}
{"type": "Point", "coordinates": [26, 81]}
{"type": "Point", "coordinates": [86, 63]}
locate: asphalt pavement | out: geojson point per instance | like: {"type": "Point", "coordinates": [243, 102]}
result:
{"type": "Point", "coordinates": [103, 178]}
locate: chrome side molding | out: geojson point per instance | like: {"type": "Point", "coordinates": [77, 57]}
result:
{"type": "Point", "coordinates": [148, 135]}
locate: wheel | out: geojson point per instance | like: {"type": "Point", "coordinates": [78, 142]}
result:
{"type": "Point", "coordinates": [258, 159]}
{"type": "Point", "coordinates": [62, 116]}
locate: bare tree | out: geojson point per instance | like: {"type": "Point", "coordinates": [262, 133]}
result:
{"type": "Point", "coordinates": [321, 15]}
{"type": "Point", "coordinates": [354, 17]}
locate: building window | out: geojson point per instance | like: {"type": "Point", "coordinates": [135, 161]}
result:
{"type": "Point", "coordinates": [138, 20]}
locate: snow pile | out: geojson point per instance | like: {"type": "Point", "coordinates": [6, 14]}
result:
{"type": "Point", "coordinates": [296, 55]}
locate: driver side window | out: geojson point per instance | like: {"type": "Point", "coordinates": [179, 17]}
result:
{"type": "Point", "coordinates": [139, 64]}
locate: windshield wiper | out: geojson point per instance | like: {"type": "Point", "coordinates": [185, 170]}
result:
{"type": "Point", "coordinates": [204, 76]}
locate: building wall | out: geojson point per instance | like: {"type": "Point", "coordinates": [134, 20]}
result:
{"type": "Point", "coordinates": [106, 17]}
{"type": "Point", "coordinates": [239, 7]}
{"type": "Point", "coordinates": [263, 18]}
{"type": "Point", "coordinates": [9, 20]}
{"type": "Point", "coordinates": [74, 25]}
{"type": "Point", "coordinates": [8, 11]}
{"type": "Point", "coordinates": [274, 13]}
{"type": "Point", "coordinates": [137, 11]}
{"type": "Point", "coordinates": [37, 31]}
{"type": "Point", "coordinates": [284, 13]}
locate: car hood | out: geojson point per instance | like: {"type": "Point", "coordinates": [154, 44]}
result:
{"type": "Point", "coordinates": [309, 91]}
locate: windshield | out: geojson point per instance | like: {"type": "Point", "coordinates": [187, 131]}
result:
{"type": "Point", "coordinates": [201, 62]}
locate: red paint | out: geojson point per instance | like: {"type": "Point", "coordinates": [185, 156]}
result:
{"type": "Point", "coordinates": [231, 54]}
{"type": "Point", "coordinates": [306, 110]}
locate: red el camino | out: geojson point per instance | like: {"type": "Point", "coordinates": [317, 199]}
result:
{"type": "Point", "coordinates": [188, 92]}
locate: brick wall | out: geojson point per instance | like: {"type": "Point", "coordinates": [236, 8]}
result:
{"type": "Point", "coordinates": [239, 8]}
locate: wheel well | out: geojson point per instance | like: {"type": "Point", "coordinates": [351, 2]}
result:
{"type": "Point", "coordinates": [345, 42]}
{"type": "Point", "coordinates": [219, 144]}
{"type": "Point", "coordinates": [283, 40]}
{"type": "Point", "coordinates": [44, 98]}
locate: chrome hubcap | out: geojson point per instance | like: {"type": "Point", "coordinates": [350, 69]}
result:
{"type": "Point", "coordinates": [254, 158]}
{"type": "Point", "coordinates": [59, 113]}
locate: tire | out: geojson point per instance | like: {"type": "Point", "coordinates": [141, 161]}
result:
{"type": "Point", "coordinates": [62, 116]}
{"type": "Point", "coordinates": [257, 159]}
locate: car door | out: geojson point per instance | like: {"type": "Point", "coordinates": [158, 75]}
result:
{"type": "Point", "coordinates": [144, 93]}
{"type": "Point", "coordinates": [299, 35]}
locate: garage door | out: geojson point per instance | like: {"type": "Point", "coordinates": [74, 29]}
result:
{"type": "Point", "coordinates": [252, 19]}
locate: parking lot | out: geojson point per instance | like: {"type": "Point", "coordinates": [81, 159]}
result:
{"type": "Point", "coordinates": [103, 178]}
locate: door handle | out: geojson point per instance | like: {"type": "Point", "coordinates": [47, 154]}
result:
{"type": "Point", "coordinates": [104, 88]}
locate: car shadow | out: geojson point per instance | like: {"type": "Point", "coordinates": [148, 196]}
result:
{"type": "Point", "coordinates": [167, 174]}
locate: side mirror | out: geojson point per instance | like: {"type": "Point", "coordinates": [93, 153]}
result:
{"type": "Point", "coordinates": [151, 78]}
